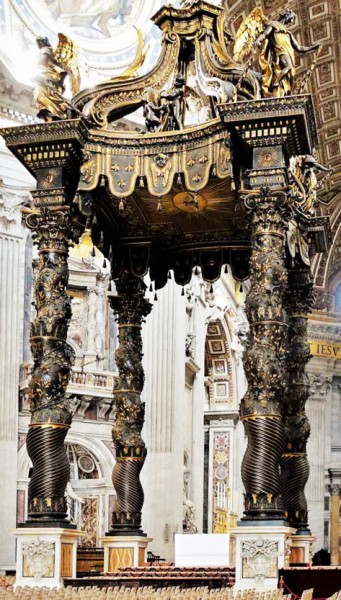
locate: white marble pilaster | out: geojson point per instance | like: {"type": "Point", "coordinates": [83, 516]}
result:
{"type": "Point", "coordinates": [12, 276]}
{"type": "Point", "coordinates": [319, 411]}
{"type": "Point", "coordinates": [164, 395]}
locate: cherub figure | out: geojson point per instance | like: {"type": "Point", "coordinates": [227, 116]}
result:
{"type": "Point", "coordinates": [278, 47]}
{"type": "Point", "coordinates": [154, 112]}
{"type": "Point", "coordinates": [305, 185]}
{"type": "Point", "coordinates": [54, 67]}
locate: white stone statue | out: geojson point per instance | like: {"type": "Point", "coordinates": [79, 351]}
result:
{"type": "Point", "coordinates": [188, 516]}
{"type": "Point", "coordinates": [188, 510]}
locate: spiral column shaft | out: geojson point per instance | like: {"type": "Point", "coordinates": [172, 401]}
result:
{"type": "Point", "coordinates": [53, 233]}
{"type": "Point", "coordinates": [294, 463]}
{"type": "Point", "coordinates": [131, 307]}
{"type": "Point", "coordinates": [263, 358]}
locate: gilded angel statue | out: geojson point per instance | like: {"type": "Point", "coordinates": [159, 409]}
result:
{"type": "Point", "coordinates": [277, 45]}
{"type": "Point", "coordinates": [53, 68]}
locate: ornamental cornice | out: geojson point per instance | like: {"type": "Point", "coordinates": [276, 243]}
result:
{"type": "Point", "coordinates": [318, 330]}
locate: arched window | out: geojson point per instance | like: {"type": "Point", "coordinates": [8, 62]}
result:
{"type": "Point", "coordinates": [83, 464]}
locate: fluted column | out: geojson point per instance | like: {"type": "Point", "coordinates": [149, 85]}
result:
{"type": "Point", "coordinates": [294, 464]}
{"type": "Point", "coordinates": [53, 232]}
{"type": "Point", "coordinates": [335, 490]}
{"type": "Point", "coordinates": [263, 358]}
{"type": "Point", "coordinates": [131, 307]}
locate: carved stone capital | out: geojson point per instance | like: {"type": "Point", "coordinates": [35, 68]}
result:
{"type": "Point", "coordinates": [334, 489]}
{"type": "Point", "coordinates": [320, 385]}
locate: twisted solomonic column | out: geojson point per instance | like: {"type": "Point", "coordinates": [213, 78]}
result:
{"type": "Point", "coordinates": [264, 357]}
{"type": "Point", "coordinates": [294, 463]}
{"type": "Point", "coordinates": [53, 232]}
{"type": "Point", "coordinates": [131, 307]}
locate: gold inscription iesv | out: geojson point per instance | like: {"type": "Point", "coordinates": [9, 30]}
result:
{"type": "Point", "coordinates": [325, 349]}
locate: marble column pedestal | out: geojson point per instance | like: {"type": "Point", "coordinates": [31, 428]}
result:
{"type": "Point", "coordinates": [45, 555]}
{"type": "Point", "coordinates": [261, 550]}
{"type": "Point", "coordinates": [124, 551]}
{"type": "Point", "coordinates": [302, 549]}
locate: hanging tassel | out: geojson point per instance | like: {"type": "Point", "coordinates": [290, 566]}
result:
{"type": "Point", "coordinates": [292, 263]}
{"type": "Point", "coordinates": [121, 205]}
{"type": "Point", "coordinates": [241, 288]}
{"type": "Point", "coordinates": [159, 206]}
{"type": "Point", "coordinates": [211, 289]}
{"type": "Point", "coordinates": [196, 271]}
{"type": "Point", "coordinates": [169, 276]}
{"type": "Point", "coordinates": [93, 251]}
{"type": "Point", "coordinates": [141, 182]}
{"type": "Point", "coordinates": [155, 297]}
{"type": "Point", "coordinates": [179, 180]}
{"type": "Point", "coordinates": [104, 264]}
{"type": "Point", "coordinates": [226, 270]}
{"type": "Point", "coordinates": [214, 171]}
{"type": "Point", "coordinates": [151, 287]}
{"type": "Point", "coordinates": [233, 185]}
{"type": "Point", "coordinates": [183, 291]}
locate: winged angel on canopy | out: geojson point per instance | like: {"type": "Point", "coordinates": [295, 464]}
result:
{"type": "Point", "coordinates": [54, 66]}
{"type": "Point", "coordinates": [277, 49]}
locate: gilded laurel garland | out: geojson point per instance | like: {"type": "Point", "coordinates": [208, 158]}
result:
{"type": "Point", "coordinates": [294, 464]}
{"type": "Point", "coordinates": [131, 307]}
{"type": "Point", "coordinates": [263, 358]}
{"type": "Point", "coordinates": [52, 232]}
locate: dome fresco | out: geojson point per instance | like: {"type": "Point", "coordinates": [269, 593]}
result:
{"type": "Point", "coordinates": [105, 32]}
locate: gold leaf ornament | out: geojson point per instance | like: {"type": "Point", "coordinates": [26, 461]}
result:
{"type": "Point", "coordinates": [248, 32]}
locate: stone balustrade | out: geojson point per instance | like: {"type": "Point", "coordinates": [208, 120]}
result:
{"type": "Point", "coordinates": [98, 384]}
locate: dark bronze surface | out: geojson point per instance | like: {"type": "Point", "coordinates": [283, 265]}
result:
{"type": "Point", "coordinates": [294, 463]}
{"type": "Point", "coordinates": [131, 307]}
{"type": "Point", "coordinates": [263, 357]}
